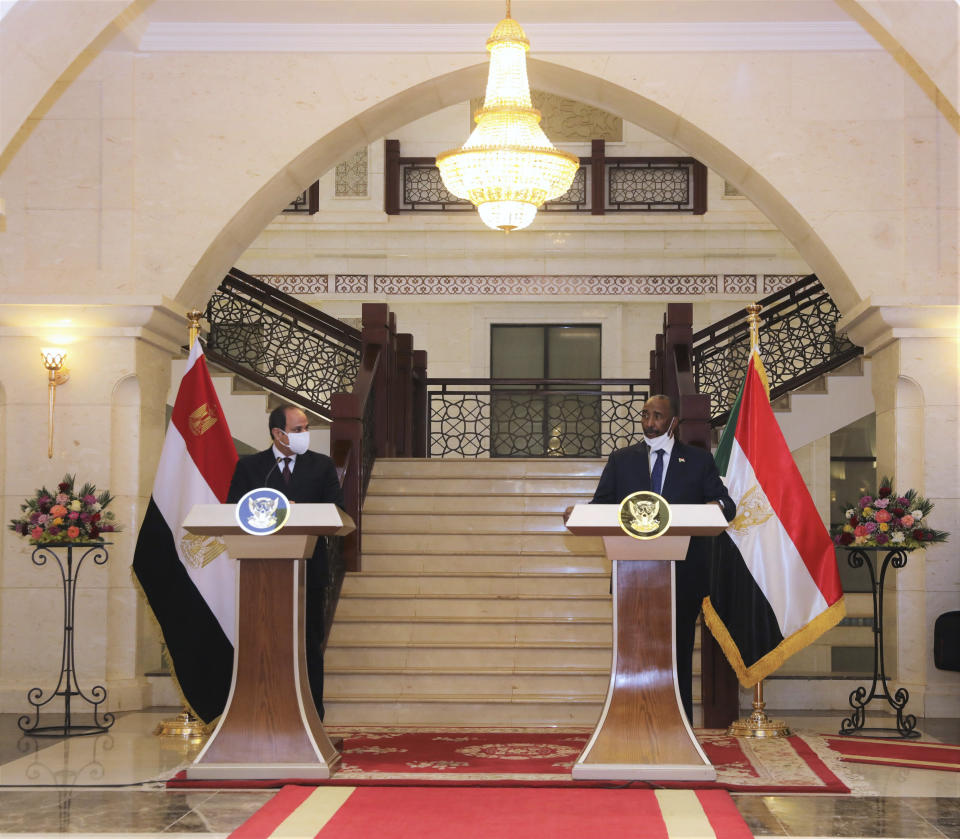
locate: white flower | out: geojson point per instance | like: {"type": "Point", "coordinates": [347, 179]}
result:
{"type": "Point", "coordinates": [897, 536]}
{"type": "Point", "coordinates": [850, 512]}
{"type": "Point", "coordinates": [917, 514]}
{"type": "Point", "coordinates": [96, 507]}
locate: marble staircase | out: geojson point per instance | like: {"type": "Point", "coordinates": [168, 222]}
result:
{"type": "Point", "coordinates": [474, 606]}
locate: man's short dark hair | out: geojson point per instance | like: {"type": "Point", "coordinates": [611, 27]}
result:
{"type": "Point", "coordinates": [278, 418]}
{"type": "Point", "coordinates": [669, 400]}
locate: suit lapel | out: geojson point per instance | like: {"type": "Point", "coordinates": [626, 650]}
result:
{"type": "Point", "coordinates": [674, 469]}
{"type": "Point", "coordinates": [643, 451]}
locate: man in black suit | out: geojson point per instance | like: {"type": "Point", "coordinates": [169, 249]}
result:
{"type": "Point", "coordinates": [682, 475]}
{"type": "Point", "coordinates": [305, 477]}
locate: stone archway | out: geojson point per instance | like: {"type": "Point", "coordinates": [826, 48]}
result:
{"type": "Point", "coordinates": [457, 86]}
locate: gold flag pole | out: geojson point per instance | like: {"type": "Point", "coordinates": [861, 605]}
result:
{"type": "Point", "coordinates": [758, 724]}
{"type": "Point", "coordinates": [185, 725]}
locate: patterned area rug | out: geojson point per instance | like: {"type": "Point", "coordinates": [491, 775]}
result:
{"type": "Point", "coordinates": [512, 757]}
{"type": "Point", "coordinates": [417, 812]}
{"type": "Point", "coordinates": [883, 751]}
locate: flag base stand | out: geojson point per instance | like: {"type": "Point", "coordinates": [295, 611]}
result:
{"type": "Point", "coordinates": [758, 724]}
{"type": "Point", "coordinates": [185, 726]}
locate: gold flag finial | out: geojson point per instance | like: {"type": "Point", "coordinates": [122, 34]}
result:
{"type": "Point", "coordinates": [193, 325]}
{"type": "Point", "coordinates": [753, 318]}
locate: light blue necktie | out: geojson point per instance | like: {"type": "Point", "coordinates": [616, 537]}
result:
{"type": "Point", "coordinates": [656, 478]}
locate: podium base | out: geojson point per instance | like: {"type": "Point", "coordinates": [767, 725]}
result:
{"type": "Point", "coordinates": [643, 772]}
{"type": "Point", "coordinates": [259, 771]}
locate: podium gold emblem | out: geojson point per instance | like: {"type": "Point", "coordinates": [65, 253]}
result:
{"type": "Point", "coordinates": [644, 515]}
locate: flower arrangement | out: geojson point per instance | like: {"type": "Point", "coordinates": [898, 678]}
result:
{"type": "Point", "coordinates": [64, 516]}
{"type": "Point", "coordinates": [888, 520]}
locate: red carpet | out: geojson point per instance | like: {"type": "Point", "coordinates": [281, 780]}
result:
{"type": "Point", "coordinates": [517, 758]}
{"type": "Point", "coordinates": [884, 752]}
{"type": "Point", "coordinates": [417, 812]}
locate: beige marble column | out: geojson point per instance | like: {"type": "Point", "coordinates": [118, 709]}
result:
{"type": "Point", "coordinates": [916, 385]}
{"type": "Point", "coordinates": [108, 429]}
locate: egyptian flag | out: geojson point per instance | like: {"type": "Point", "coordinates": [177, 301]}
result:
{"type": "Point", "coordinates": [188, 580]}
{"type": "Point", "coordinates": [775, 587]}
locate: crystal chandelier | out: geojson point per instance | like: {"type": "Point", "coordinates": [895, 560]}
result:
{"type": "Point", "coordinates": [508, 167]}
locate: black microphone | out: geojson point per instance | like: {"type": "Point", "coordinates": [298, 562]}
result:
{"type": "Point", "coordinates": [277, 462]}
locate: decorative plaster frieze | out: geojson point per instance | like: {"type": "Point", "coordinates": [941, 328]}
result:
{"type": "Point", "coordinates": [752, 285]}
{"type": "Point", "coordinates": [607, 37]}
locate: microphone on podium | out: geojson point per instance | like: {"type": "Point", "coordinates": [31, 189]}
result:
{"type": "Point", "coordinates": [276, 463]}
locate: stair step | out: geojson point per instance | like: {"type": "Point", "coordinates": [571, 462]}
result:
{"type": "Point", "coordinates": [480, 606]}
{"type": "Point", "coordinates": [479, 544]}
{"type": "Point", "coordinates": [386, 684]}
{"type": "Point", "coordinates": [535, 468]}
{"type": "Point", "coordinates": [423, 562]}
{"type": "Point", "coordinates": [442, 484]}
{"type": "Point", "coordinates": [474, 583]}
{"type": "Point", "coordinates": [343, 653]}
{"type": "Point", "coordinates": [471, 630]}
{"type": "Point", "coordinates": [500, 504]}
{"type": "Point", "coordinates": [462, 523]}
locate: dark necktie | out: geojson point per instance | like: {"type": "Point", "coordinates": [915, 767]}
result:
{"type": "Point", "coordinates": [656, 477]}
{"type": "Point", "coordinates": [287, 474]}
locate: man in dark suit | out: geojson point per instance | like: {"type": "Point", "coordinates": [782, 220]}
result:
{"type": "Point", "coordinates": [305, 477]}
{"type": "Point", "coordinates": [682, 475]}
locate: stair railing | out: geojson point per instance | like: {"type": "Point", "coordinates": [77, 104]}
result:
{"type": "Point", "coordinates": [274, 340]}
{"type": "Point", "coordinates": [798, 340]}
{"type": "Point", "coordinates": [377, 418]}
{"type": "Point", "coordinates": [479, 418]}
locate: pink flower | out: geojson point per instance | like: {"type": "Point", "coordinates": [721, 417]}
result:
{"type": "Point", "coordinates": [860, 531]}
{"type": "Point", "coordinates": [883, 516]}
{"type": "Point", "coordinates": [866, 501]}
{"type": "Point", "coordinates": [907, 520]}
{"type": "Point", "coordinates": [62, 498]}
{"type": "Point", "coordinates": [881, 503]}
{"type": "Point", "coordinates": [58, 510]}
{"type": "Point", "coordinates": [36, 533]}
{"type": "Point", "coordinates": [73, 516]}
{"type": "Point", "coordinates": [89, 499]}
{"type": "Point", "coordinates": [882, 538]}
{"type": "Point", "coordinates": [903, 502]}
{"type": "Point", "coordinates": [870, 526]}
{"type": "Point", "coordinates": [73, 532]}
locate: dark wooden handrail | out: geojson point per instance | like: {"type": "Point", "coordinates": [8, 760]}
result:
{"type": "Point", "coordinates": [301, 312]}
{"type": "Point", "coordinates": [772, 305]}
{"type": "Point", "coordinates": [537, 382]}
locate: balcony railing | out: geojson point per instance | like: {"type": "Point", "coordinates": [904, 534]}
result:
{"type": "Point", "coordinates": [602, 185]}
{"type": "Point", "coordinates": [475, 418]}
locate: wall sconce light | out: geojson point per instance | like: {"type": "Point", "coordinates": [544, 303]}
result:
{"type": "Point", "coordinates": [53, 359]}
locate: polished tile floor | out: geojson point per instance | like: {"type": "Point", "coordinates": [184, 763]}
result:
{"type": "Point", "coordinates": [112, 785]}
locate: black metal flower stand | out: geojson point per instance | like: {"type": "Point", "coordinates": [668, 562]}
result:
{"type": "Point", "coordinates": [896, 557]}
{"type": "Point", "coordinates": [67, 685]}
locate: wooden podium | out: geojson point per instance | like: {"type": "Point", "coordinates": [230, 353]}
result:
{"type": "Point", "coordinates": [270, 727]}
{"type": "Point", "coordinates": [643, 733]}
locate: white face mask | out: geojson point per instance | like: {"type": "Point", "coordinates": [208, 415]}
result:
{"type": "Point", "coordinates": [660, 440]}
{"type": "Point", "coordinates": [298, 441]}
